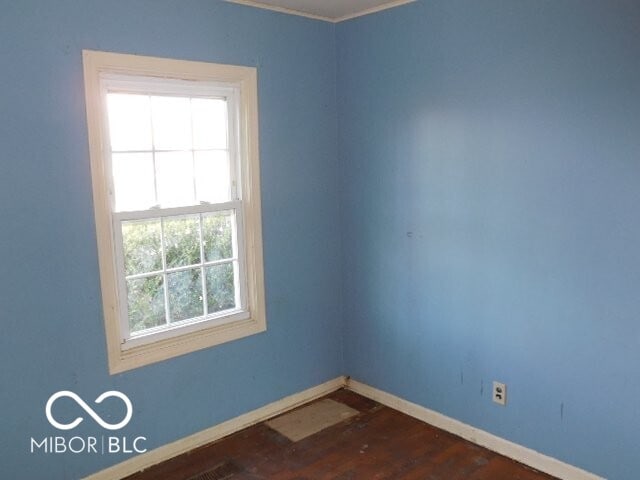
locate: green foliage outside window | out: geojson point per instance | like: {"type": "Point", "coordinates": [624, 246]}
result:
{"type": "Point", "coordinates": [143, 255]}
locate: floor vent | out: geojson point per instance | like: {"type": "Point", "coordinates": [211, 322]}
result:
{"type": "Point", "coordinates": [222, 471]}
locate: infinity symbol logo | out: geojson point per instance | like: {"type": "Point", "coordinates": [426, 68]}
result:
{"type": "Point", "coordinates": [89, 410]}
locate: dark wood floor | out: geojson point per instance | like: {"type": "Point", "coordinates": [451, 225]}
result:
{"type": "Point", "coordinates": [379, 443]}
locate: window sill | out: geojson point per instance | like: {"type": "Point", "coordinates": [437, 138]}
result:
{"type": "Point", "coordinates": [135, 357]}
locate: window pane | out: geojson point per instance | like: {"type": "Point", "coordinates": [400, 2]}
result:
{"type": "Point", "coordinates": [171, 123]}
{"type": "Point", "coordinates": [133, 181]}
{"type": "Point", "coordinates": [217, 236]}
{"type": "Point", "coordinates": [145, 299]}
{"type": "Point", "coordinates": [220, 290]}
{"type": "Point", "coordinates": [129, 121]}
{"type": "Point", "coordinates": [209, 123]}
{"type": "Point", "coordinates": [213, 181]}
{"type": "Point", "coordinates": [185, 294]}
{"type": "Point", "coordinates": [182, 241]}
{"type": "Point", "coordinates": [142, 248]}
{"type": "Point", "coordinates": [175, 179]}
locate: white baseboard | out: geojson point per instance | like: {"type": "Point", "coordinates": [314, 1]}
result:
{"type": "Point", "coordinates": [186, 444]}
{"type": "Point", "coordinates": [487, 440]}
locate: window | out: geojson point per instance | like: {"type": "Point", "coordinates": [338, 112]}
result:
{"type": "Point", "coordinates": [175, 171]}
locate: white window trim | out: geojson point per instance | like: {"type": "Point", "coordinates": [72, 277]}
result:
{"type": "Point", "coordinates": [245, 78]}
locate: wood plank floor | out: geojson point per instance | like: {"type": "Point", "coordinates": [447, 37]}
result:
{"type": "Point", "coordinates": [378, 443]}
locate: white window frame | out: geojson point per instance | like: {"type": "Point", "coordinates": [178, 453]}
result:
{"type": "Point", "coordinates": [104, 68]}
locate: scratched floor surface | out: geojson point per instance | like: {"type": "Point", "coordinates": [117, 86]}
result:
{"type": "Point", "coordinates": [377, 443]}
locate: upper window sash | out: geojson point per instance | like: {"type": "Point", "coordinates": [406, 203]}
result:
{"type": "Point", "coordinates": [158, 86]}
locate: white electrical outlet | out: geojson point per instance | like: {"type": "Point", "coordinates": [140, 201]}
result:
{"type": "Point", "coordinates": [500, 393]}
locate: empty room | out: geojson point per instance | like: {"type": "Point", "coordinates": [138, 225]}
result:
{"type": "Point", "coordinates": [320, 239]}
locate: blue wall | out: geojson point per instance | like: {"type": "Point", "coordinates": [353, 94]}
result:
{"type": "Point", "coordinates": [485, 176]}
{"type": "Point", "coordinates": [50, 307]}
{"type": "Point", "coordinates": [490, 154]}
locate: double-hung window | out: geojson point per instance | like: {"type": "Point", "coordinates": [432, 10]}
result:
{"type": "Point", "coordinates": [177, 200]}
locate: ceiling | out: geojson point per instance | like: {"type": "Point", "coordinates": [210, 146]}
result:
{"type": "Point", "coordinates": [330, 10]}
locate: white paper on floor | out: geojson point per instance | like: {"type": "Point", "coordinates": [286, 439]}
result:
{"type": "Point", "coordinates": [311, 419]}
